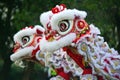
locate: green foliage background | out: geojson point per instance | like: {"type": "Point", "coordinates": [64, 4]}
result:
{"type": "Point", "coordinates": [16, 14]}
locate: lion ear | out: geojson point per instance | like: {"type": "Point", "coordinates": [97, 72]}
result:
{"type": "Point", "coordinates": [39, 29]}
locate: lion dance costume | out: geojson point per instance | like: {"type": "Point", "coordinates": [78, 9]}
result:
{"type": "Point", "coordinates": [69, 45]}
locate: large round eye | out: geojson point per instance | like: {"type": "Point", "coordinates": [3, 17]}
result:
{"type": "Point", "coordinates": [64, 27]}
{"type": "Point", "coordinates": [25, 39]}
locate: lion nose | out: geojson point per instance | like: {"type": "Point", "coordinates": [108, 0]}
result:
{"type": "Point", "coordinates": [16, 47]}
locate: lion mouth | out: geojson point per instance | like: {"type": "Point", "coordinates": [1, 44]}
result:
{"type": "Point", "coordinates": [22, 54]}
{"type": "Point", "coordinates": [22, 62]}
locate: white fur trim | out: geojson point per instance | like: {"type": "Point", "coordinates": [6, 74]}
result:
{"type": "Point", "coordinates": [21, 53]}
{"type": "Point", "coordinates": [94, 30]}
{"type": "Point", "coordinates": [45, 18]}
{"type": "Point", "coordinates": [57, 44]}
{"type": "Point", "coordinates": [39, 27]}
{"type": "Point", "coordinates": [28, 31]}
{"type": "Point", "coordinates": [66, 14]}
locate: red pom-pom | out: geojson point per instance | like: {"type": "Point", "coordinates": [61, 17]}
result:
{"type": "Point", "coordinates": [63, 5]}
{"type": "Point", "coordinates": [30, 27]}
{"type": "Point", "coordinates": [58, 8]}
{"type": "Point", "coordinates": [55, 10]}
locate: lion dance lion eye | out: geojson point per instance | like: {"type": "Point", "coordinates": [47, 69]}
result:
{"type": "Point", "coordinates": [25, 39]}
{"type": "Point", "coordinates": [64, 27]}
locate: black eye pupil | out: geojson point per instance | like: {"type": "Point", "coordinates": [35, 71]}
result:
{"type": "Point", "coordinates": [25, 39]}
{"type": "Point", "coordinates": [64, 25]}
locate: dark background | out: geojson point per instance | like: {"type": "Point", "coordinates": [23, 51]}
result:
{"type": "Point", "coordinates": [16, 14]}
